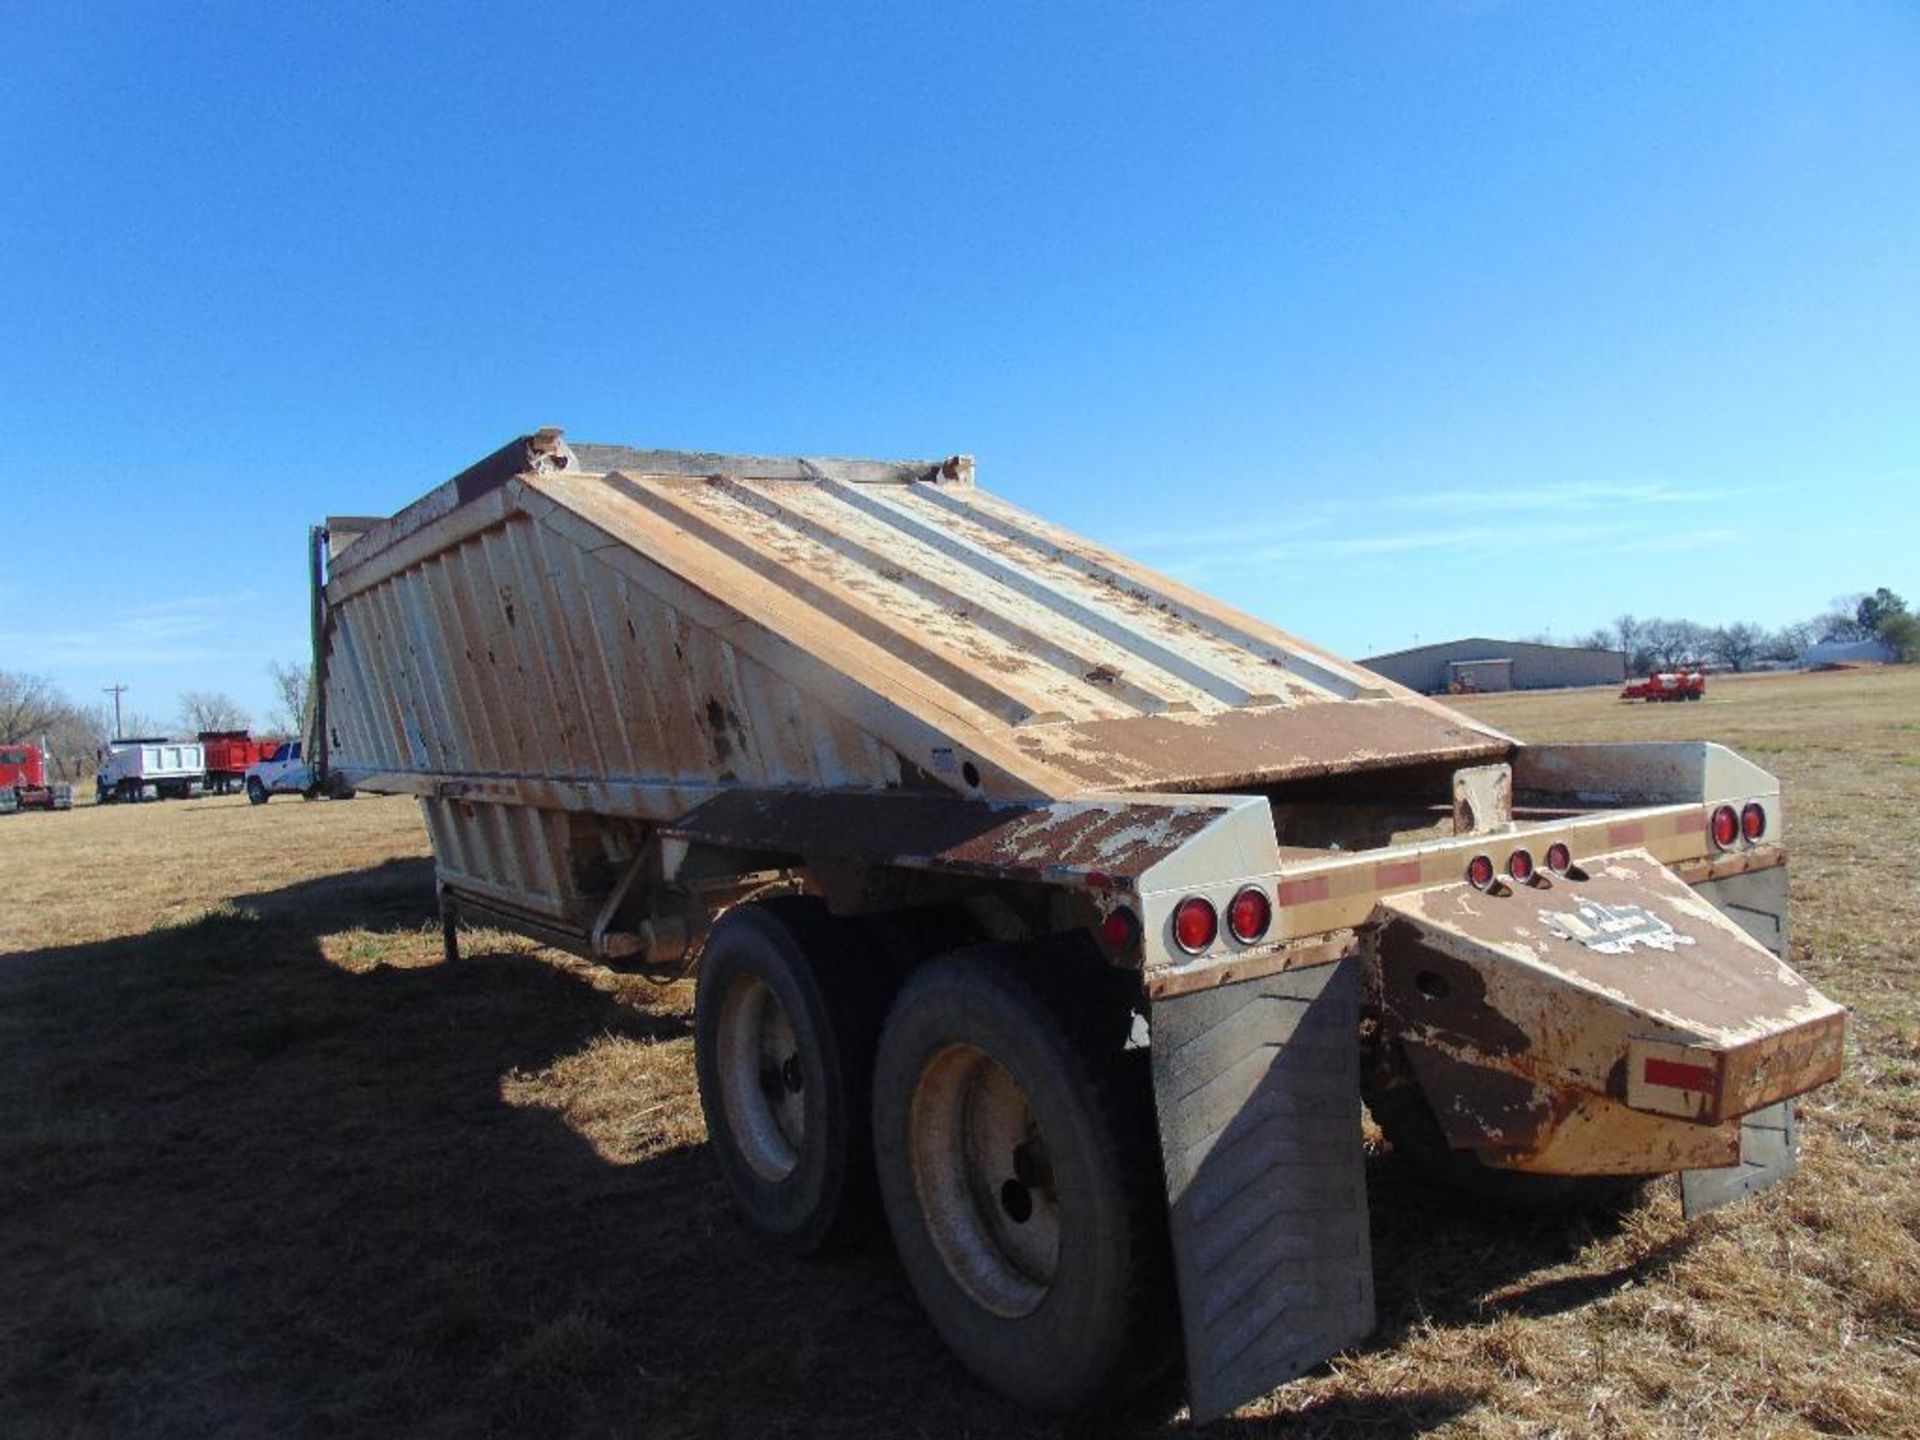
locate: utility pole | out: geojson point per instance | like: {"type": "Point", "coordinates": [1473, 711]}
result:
{"type": "Point", "coordinates": [116, 691]}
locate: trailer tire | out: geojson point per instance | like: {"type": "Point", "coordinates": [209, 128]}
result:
{"type": "Point", "coordinates": [990, 1115]}
{"type": "Point", "coordinates": [256, 792]}
{"type": "Point", "coordinates": [789, 1126]}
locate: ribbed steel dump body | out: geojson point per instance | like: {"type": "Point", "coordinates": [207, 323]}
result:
{"type": "Point", "coordinates": [642, 627]}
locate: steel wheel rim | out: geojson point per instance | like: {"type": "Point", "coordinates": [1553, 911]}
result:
{"type": "Point", "coordinates": [762, 1081]}
{"type": "Point", "coordinates": [985, 1181]}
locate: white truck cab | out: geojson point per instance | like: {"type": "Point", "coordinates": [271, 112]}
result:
{"type": "Point", "coordinates": [282, 772]}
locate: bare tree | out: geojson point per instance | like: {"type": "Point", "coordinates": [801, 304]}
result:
{"type": "Point", "coordinates": [211, 710]}
{"type": "Point", "coordinates": [1841, 621]}
{"type": "Point", "coordinates": [1789, 642]}
{"type": "Point", "coordinates": [1737, 645]}
{"type": "Point", "coordinates": [1672, 643]}
{"type": "Point", "coordinates": [29, 704]}
{"type": "Point", "coordinates": [293, 686]}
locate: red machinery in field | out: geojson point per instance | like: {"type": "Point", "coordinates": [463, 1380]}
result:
{"type": "Point", "coordinates": [23, 781]}
{"type": "Point", "coordinates": [228, 754]}
{"type": "Point", "coordinates": [1667, 685]}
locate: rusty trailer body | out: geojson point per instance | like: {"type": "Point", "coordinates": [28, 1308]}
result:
{"type": "Point", "coordinates": [861, 738]}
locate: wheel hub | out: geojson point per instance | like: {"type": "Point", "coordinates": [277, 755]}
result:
{"type": "Point", "coordinates": [984, 1180]}
{"type": "Point", "coordinates": [762, 1079]}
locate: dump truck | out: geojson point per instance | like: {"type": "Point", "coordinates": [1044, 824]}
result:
{"type": "Point", "coordinates": [1055, 912]}
{"type": "Point", "coordinates": [149, 767]}
{"type": "Point", "coordinates": [228, 755]}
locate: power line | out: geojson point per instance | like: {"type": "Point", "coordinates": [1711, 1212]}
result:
{"type": "Point", "coordinates": [116, 691]}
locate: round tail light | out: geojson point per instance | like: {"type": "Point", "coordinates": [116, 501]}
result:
{"type": "Point", "coordinates": [1119, 929]}
{"type": "Point", "coordinates": [1559, 858]}
{"type": "Point", "coordinates": [1480, 872]}
{"type": "Point", "coordinates": [1753, 821]}
{"type": "Point", "coordinates": [1724, 827]}
{"type": "Point", "coordinates": [1249, 915]}
{"type": "Point", "coordinates": [1520, 866]}
{"type": "Point", "coordinates": [1195, 924]}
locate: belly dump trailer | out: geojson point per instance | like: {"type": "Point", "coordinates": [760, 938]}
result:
{"type": "Point", "coordinates": [1052, 909]}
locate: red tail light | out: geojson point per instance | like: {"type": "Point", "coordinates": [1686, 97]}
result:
{"type": "Point", "coordinates": [1195, 924]}
{"type": "Point", "coordinates": [1480, 872]}
{"type": "Point", "coordinates": [1559, 858]}
{"type": "Point", "coordinates": [1753, 821]}
{"type": "Point", "coordinates": [1520, 866]}
{"type": "Point", "coordinates": [1249, 915]}
{"type": "Point", "coordinates": [1119, 930]}
{"type": "Point", "coordinates": [1724, 827]}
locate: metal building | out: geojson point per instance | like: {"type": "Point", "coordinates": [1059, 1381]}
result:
{"type": "Point", "coordinates": [1478, 664]}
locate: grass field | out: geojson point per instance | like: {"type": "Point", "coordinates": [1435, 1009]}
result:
{"type": "Point", "coordinates": [268, 1167]}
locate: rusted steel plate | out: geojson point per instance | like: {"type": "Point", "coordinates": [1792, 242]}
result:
{"type": "Point", "coordinates": [1586, 1002]}
{"type": "Point", "coordinates": [1257, 746]}
{"type": "Point", "coordinates": [1102, 845]}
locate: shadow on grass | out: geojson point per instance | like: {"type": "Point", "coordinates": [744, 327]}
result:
{"type": "Point", "coordinates": [245, 1192]}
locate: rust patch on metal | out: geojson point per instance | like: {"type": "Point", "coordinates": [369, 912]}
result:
{"type": "Point", "coordinates": [1256, 745]}
{"type": "Point", "coordinates": [1100, 845]}
{"type": "Point", "coordinates": [1567, 991]}
{"type": "Point", "coordinates": [1482, 798]}
{"type": "Point", "coordinates": [1295, 955]}
{"type": "Point", "coordinates": [1428, 992]}
{"type": "Point", "coordinates": [1477, 1106]}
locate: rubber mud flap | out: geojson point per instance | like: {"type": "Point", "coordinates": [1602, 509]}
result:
{"type": "Point", "coordinates": [1257, 1087]}
{"type": "Point", "coordinates": [1767, 1154]}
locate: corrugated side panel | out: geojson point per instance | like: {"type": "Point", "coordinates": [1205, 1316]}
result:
{"type": "Point", "coordinates": [1257, 1086]}
{"type": "Point", "coordinates": [511, 853]}
{"type": "Point", "coordinates": [517, 653]}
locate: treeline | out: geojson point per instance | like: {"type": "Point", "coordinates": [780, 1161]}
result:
{"type": "Point", "coordinates": [32, 709]}
{"type": "Point", "coordinates": [1653, 644]}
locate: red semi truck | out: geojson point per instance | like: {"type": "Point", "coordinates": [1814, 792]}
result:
{"type": "Point", "coordinates": [23, 780]}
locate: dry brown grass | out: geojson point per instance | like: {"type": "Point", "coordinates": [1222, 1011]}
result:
{"type": "Point", "coordinates": [268, 1167]}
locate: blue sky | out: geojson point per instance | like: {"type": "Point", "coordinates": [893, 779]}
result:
{"type": "Point", "coordinates": [1382, 321]}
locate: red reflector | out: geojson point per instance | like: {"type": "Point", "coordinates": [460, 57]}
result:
{"type": "Point", "coordinates": [1480, 872]}
{"type": "Point", "coordinates": [1520, 866]}
{"type": "Point", "coordinates": [1118, 929]}
{"type": "Point", "coordinates": [1753, 821]}
{"type": "Point", "coordinates": [1724, 827]}
{"type": "Point", "coordinates": [1680, 1076]}
{"type": "Point", "coordinates": [1249, 915]}
{"type": "Point", "coordinates": [1559, 858]}
{"type": "Point", "coordinates": [1194, 925]}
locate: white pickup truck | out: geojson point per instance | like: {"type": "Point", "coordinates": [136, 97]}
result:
{"type": "Point", "coordinates": [282, 772]}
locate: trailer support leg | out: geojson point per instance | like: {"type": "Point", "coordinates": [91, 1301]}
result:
{"type": "Point", "coordinates": [449, 926]}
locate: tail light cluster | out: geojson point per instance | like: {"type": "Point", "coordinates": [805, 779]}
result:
{"type": "Point", "coordinates": [1483, 875]}
{"type": "Point", "coordinates": [1249, 915]}
{"type": "Point", "coordinates": [1727, 827]}
{"type": "Point", "coordinates": [1196, 924]}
